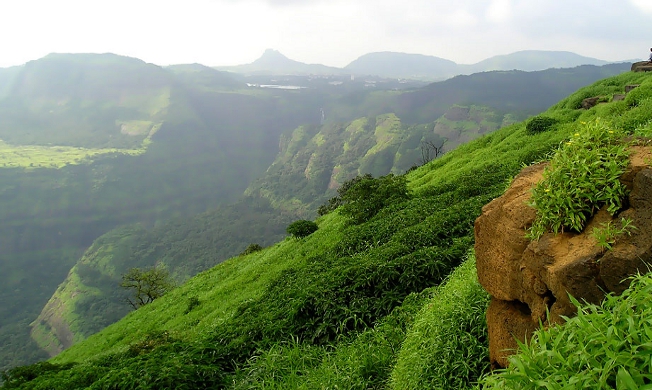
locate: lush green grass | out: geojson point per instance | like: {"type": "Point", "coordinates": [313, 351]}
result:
{"type": "Point", "coordinates": [446, 347]}
{"type": "Point", "coordinates": [606, 346]}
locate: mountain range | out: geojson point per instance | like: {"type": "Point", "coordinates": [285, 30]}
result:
{"type": "Point", "coordinates": [415, 66]}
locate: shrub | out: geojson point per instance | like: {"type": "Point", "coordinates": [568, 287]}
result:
{"type": "Point", "coordinates": [604, 347]}
{"type": "Point", "coordinates": [539, 124]}
{"type": "Point", "coordinates": [363, 196]}
{"type": "Point", "coordinates": [571, 192]}
{"type": "Point", "coordinates": [252, 248]}
{"type": "Point", "coordinates": [302, 228]}
{"type": "Point", "coordinates": [366, 196]}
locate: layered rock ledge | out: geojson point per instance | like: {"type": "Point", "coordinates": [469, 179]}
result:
{"type": "Point", "coordinates": [528, 279]}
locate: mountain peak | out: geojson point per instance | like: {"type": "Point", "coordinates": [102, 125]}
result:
{"type": "Point", "coordinates": [273, 57]}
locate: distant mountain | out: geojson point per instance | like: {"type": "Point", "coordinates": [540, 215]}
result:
{"type": "Point", "coordinates": [417, 66]}
{"type": "Point", "coordinates": [516, 92]}
{"type": "Point", "coordinates": [87, 100]}
{"type": "Point", "coordinates": [531, 60]}
{"type": "Point", "coordinates": [402, 65]}
{"type": "Point", "coordinates": [273, 62]}
{"type": "Point", "coordinates": [414, 66]}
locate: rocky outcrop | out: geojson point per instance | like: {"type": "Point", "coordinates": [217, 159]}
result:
{"type": "Point", "coordinates": [528, 279]}
{"type": "Point", "coordinates": [591, 102]}
{"type": "Point", "coordinates": [642, 66]}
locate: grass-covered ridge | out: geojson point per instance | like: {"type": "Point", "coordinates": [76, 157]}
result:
{"type": "Point", "coordinates": [350, 305]}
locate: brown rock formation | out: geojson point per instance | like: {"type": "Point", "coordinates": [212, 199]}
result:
{"type": "Point", "coordinates": [642, 66]}
{"type": "Point", "coordinates": [618, 97]}
{"type": "Point", "coordinates": [630, 87]}
{"type": "Point", "coordinates": [528, 279]}
{"type": "Point", "coordinates": [590, 102]}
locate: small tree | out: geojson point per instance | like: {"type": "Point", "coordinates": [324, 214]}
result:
{"type": "Point", "coordinates": [430, 150]}
{"type": "Point", "coordinates": [301, 228]}
{"type": "Point", "coordinates": [146, 285]}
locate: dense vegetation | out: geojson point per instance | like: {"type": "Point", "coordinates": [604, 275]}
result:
{"type": "Point", "coordinates": [352, 304]}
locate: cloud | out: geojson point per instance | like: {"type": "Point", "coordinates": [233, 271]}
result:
{"type": "Point", "coordinates": [499, 11]}
{"type": "Point", "coordinates": [334, 32]}
{"type": "Point", "coordinates": [643, 5]}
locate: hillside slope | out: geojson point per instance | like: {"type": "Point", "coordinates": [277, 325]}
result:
{"type": "Point", "coordinates": [332, 309]}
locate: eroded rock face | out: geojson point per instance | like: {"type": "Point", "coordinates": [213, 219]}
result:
{"type": "Point", "coordinates": [528, 279]}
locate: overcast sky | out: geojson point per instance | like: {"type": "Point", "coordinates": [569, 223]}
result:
{"type": "Point", "coordinates": [330, 32]}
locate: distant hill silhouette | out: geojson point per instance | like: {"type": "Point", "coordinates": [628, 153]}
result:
{"type": "Point", "coordinates": [531, 60]}
{"type": "Point", "coordinates": [415, 66]}
{"type": "Point", "coordinates": [273, 62]}
{"type": "Point", "coordinates": [402, 65]}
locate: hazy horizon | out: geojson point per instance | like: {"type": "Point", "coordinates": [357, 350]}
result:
{"type": "Point", "coordinates": [332, 33]}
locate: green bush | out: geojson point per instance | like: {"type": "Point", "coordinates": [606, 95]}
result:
{"type": "Point", "coordinates": [366, 196]}
{"type": "Point", "coordinates": [539, 124]}
{"type": "Point", "coordinates": [604, 347]}
{"type": "Point", "coordinates": [252, 248]}
{"type": "Point", "coordinates": [302, 228]}
{"type": "Point", "coordinates": [447, 346]}
{"type": "Point", "coordinates": [571, 192]}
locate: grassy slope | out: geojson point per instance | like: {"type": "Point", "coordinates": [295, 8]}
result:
{"type": "Point", "coordinates": [220, 290]}
{"type": "Point", "coordinates": [471, 174]}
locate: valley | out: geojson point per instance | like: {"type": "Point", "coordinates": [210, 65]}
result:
{"type": "Point", "coordinates": [110, 163]}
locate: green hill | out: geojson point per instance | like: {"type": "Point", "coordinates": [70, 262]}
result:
{"type": "Point", "coordinates": [94, 101]}
{"type": "Point", "coordinates": [353, 305]}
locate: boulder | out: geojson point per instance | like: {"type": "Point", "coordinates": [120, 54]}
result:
{"type": "Point", "coordinates": [618, 97]}
{"type": "Point", "coordinates": [642, 66]}
{"type": "Point", "coordinates": [629, 88]}
{"type": "Point", "coordinates": [528, 279]}
{"type": "Point", "coordinates": [590, 102]}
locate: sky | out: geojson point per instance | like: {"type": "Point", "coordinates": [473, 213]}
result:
{"type": "Point", "coordinates": [329, 32]}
